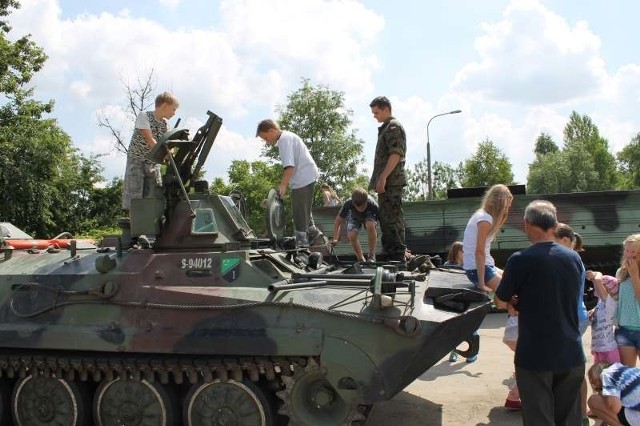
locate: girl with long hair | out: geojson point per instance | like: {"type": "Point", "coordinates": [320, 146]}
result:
{"type": "Point", "coordinates": [480, 232]}
{"type": "Point", "coordinates": [628, 331]}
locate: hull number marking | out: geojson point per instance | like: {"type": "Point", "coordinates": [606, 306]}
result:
{"type": "Point", "coordinates": [196, 263]}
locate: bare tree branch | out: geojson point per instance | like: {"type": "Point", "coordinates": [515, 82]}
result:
{"type": "Point", "coordinates": [139, 97]}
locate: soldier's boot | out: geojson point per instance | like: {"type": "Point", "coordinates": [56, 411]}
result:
{"type": "Point", "coordinates": [315, 237]}
{"type": "Point", "coordinates": [415, 261]}
{"type": "Point", "coordinates": [301, 239]}
{"type": "Point", "coordinates": [143, 242]}
{"type": "Point", "coordinates": [125, 239]}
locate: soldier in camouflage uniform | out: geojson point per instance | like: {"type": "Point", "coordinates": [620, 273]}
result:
{"type": "Point", "coordinates": [388, 178]}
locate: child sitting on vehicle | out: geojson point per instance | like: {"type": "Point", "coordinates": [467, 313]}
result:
{"type": "Point", "coordinates": [359, 210]}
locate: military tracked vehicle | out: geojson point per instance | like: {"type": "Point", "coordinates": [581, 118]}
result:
{"type": "Point", "coordinates": [201, 323]}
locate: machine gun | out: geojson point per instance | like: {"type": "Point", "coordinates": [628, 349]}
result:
{"type": "Point", "coordinates": [150, 215]}
{"type": "Point", "coordinates": [196, 149]}
{"type": "Point", "coordinates": [182, 176]}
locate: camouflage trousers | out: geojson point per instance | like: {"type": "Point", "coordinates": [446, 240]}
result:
{"type": "Point", "coordinates": [391, 219]}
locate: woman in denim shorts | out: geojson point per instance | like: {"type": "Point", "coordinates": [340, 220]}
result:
{"type": "Point", "coordinates": [480, 232]}
{"type": "Point", "coordinates": [478, 235]}
{"type": "Point", "coordinates": [628, 332]}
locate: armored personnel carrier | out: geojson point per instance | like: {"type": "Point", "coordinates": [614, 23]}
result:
{"type": "Point", "coordinates": [202, 323]}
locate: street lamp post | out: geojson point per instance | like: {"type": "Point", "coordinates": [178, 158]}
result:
{"type": "Point", "coordinates": [457, 111]}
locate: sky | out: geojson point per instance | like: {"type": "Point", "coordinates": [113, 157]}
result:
{"type": "Point", "coordinates": [515, 68]}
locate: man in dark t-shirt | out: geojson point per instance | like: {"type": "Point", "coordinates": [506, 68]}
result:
{"type": "Point", "coordinates": [541, 284]}
{"type": "Point", "coordinates": [360, 210]}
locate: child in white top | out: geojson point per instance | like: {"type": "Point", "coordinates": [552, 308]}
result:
{"type": "Point", "coordinates": [603, 344]}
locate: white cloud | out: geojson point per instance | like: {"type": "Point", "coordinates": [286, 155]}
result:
{"type": "Point", "coordinates": [256, 55]}
{"type": "Point", "coordinates": [533, 68]}
{"type": "Point", "coordinates": [534, 56]}
{"type": "Point", "coordinates": [172, 4]}
{"type": "Point", "coordinates": [328, 41]}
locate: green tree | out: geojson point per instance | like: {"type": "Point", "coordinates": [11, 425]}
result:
{"type": "Point", "coordinates": [253, 180]}
{"type": "Point", "coordinates": [629, 164]}
{"type": "Point", "coordinates": [597, 171]}
{"type": "Point", "coordinates": [583, 164]}
{"type": "Point", "coordinates": [548, 174]}
{"type": "Point", "coordinates": [545, 145]}
{"type": "Point", "coordinates": [44, 181]}
{"type": "Point", "coordinates": [318, 115]}
{"type": "Point", "coordinates": [417, 188]}
{"type": "Point", "coordinates": [444, 176]}
{"type": "Point", "coordinates": [488, 166]}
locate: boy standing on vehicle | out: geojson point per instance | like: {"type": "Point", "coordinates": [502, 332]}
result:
{"type": "Point", "coordinates": [358, 211]}
{"type": "Point", "coordinates": [300, 173]}
{"type": "Point", "coordinates": [142, 175]}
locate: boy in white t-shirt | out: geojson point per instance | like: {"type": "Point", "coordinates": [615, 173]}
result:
{"type": "Point", "coordinates": [300, 173]}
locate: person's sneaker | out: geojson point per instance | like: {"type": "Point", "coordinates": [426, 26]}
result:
{"type": "Point", "coordinates": [144, 242]}
{"type": "Point", "coordinates": [370, 258]}
{"type": "Point", "coordinates": [513, 405]}
{"type": "Point", "coordinates": [453, 356]}
{"type": "Point", "coordinates": [471, 359]}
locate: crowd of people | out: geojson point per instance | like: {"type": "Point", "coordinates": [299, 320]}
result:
{"type": "Point", "coordinates": [541, 286]}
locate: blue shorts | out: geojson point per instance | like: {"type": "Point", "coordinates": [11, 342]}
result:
{"type": "Point", "coordinates": [489, 273]}
{"type": "Point", "coordinates": [628, 337]}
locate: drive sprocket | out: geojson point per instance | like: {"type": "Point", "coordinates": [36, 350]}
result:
{"type": "Point", "coordinates": [310, 400]}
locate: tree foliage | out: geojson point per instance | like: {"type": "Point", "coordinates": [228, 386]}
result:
{"type": "Point", "coordinates": [545, 145]}
{"type": "Point", "coordinates": [583, 164]}
{"type": "Point", "coordinates": [581, 134]}
{"type": "Point", "coordinates": [318, 115]}
{"type": "Point", "coordinates": [548, 174]}
{"type": "Point", "coordinates": [629, 164]}
{"type": "Point", "coordinates": [444, 177]}
{"type": "Point", "coordinates": [46, 186]}
{"type": "Point", "coordinates": [487, 166]}
{"type": "Point", "coordinates": [253, 180]}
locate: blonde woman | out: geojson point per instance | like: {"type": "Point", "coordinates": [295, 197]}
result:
{"type": "Point", "coordinates": [628, 332]}
{"type": "Point", "coordinates": [329, 196]}
{"type": "Point", "coordinates": [481, 229]}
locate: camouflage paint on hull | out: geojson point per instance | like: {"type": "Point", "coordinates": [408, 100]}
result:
{"type": "Point", "coordinates": [294, 339]}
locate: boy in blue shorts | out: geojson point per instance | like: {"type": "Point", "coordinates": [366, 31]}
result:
{"type": "Point", "coordinates": [358, 211]}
